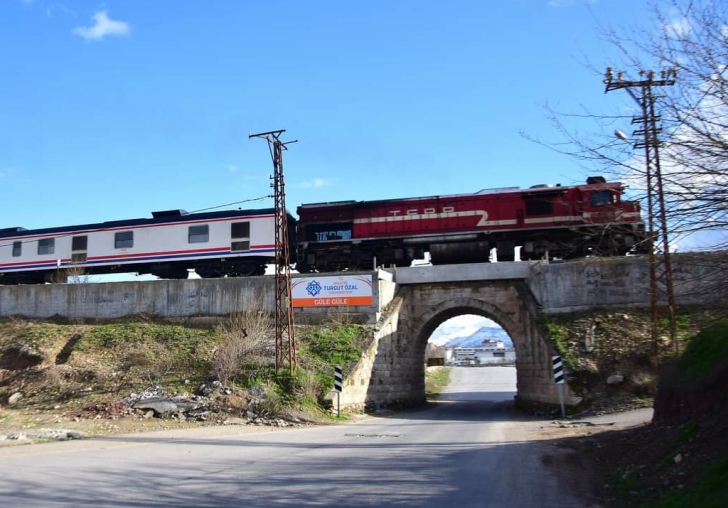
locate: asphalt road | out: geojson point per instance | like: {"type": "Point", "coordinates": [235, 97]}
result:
{"type": "Point", "coordinates": [469, 450]}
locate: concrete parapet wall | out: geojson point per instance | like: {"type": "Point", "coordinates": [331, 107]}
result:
{"type": "Point", "coordinates": [168, 299]}
{"type": "Point", "coordinates": [463, 273]}
{"type": "Point", "coordinates": [590, 283]}
{"type": "Point", "coordinates": [558, 287]}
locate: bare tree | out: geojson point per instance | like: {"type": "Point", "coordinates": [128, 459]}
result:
{"type": "Point", "coordinates": [74, 274]}
{"type": "Point", "coordinates": [692, 38]}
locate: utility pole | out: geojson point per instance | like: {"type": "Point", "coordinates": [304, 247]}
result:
{"type": "Point", "coordinates": [661, 280]}
{"type": "Point", "coordinates": [285, 338]}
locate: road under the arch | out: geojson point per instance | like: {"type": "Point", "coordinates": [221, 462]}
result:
{"type": "Point", "coordinates": [493, 383]}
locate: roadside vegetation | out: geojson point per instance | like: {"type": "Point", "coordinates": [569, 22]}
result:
{"type": "Point", "coordinates": [608, 354]}
{"type": "Point", "coordinates": [56, 373]}
{"type": "Point", "coordinates": [680, 460]}
{"type": "Point", "coordinates": [436, 379]}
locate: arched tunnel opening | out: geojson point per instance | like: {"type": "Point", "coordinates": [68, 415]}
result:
{"type": "Point", "coordinates": [475, 354]}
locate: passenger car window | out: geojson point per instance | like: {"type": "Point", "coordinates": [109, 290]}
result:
{"type": "Point", "coordinates": [198, 234]}
{"type": "Point", "coordinates": [79, 243]}
{"type": "Point", "coordinates": [124, 240]}
{"type": "Point", "coordinates": [240, 236]}
{"type": "Point", "coordinates": [17, 249]}
{"type": "Point", "coordinates": [46, 246]}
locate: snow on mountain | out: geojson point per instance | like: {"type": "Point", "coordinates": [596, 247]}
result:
{"type": "Point", "coordinates": [468, 331]}
{"type": "Point", "coordinates": [460, 326]}
{"type": "Point", "coordinates": [476, 339]}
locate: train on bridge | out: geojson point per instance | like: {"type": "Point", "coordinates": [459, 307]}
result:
{"type": "Point", "coordinates": [543, 221]}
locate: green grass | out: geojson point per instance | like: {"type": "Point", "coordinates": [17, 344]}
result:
{"type": "Point", "coordinates": [334, 345]}
{"type": "Point", "coordinates": [41, 334]}
{"type": "Point", "coordinates": [710, 492]}
{"type": "Point", "coordinates": [625, 486]}
{"type": "Point", "coordinates": [435, 381]}
{"type": "Point", "coordinates": [183, 341]}
{"type": "Point", "coordinates": [687, 433]}
{"type": "Point", "coordinates": [707, 351]}
{"type": "Point", "coordinates": [559, 335]}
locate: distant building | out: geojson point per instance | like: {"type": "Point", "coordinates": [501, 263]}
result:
{"type": "Point", "coordinates": [491, 352]}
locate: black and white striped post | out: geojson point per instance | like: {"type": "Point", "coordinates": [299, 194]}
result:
{"type": "Point", "coordinates": [559, 380]}
{"type": "Point", "coordinates": [338, 386]}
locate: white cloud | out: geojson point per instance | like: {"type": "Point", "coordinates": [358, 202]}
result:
{"type": "Point", "coordinates": [103, 26]}
{"type": "Point", "coordinates": [233, 169]}
{"type": "Point", "coordinates": [50, 9]}
{"type": "Point", "coordinates": [679, 27]}
{"type": "Point", "coordinates": [316, 183]}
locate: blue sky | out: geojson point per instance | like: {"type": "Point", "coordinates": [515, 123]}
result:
{"type": "Point", "coordinates": [111, 110]}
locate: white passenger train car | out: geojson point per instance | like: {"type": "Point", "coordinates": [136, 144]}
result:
{"type": "Point", "coordinates": [234, 243]}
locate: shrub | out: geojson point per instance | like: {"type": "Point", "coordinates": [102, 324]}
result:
{"type": "Point", "coordinates": [247, 346]}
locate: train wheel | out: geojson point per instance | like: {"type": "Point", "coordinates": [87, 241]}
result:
{"type": "Point", "coordinates": [206, 273]}
{"type": "Point", "coordinates": [302, 268]}
{"type": "Point", "coordinates": [178, 274]}
{"type": "Point", "coordinates": [506, 251]}
{"type": "Point", "coordinates": [247, 270]}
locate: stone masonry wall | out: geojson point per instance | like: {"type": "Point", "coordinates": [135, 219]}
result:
{"type": "Point", "coordinates": [618, 282]}
{"type": "Point", "coordinates": [365, 386]}
{"type": "Point", "coordinates": [398, 370]}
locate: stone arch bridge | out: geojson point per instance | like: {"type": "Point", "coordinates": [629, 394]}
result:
{"type": "Point", "coordinates": [394, 373]}
{"type": "Point", "coordinates": [417, 300]}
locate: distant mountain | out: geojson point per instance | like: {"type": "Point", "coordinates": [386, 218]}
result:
{"type": "Point", "coordinates": [466, 338]}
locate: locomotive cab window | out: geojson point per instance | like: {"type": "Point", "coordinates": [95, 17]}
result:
{"type": "Point", "coordinates": [240, 236]}
{"type": "Point", "coordinates": [46, 246]}
{"type": "Point", "coordinates": [17, 249]}
{"type": "Point", "coordinates": [539, 207]}
{"type": "Point", "coordinates": [329, 232]}
{"type": "Point", "coordinates": [601, 198]}
{"type": "Point", "coordinates": [124, 240]}
{"type": "Point", "coordinates": [198, 234]}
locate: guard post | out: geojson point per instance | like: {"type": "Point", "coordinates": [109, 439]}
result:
{"type": "Point", "coordinates": [559, 379]}
{"type": "Point", "coordinates": [338, 386]}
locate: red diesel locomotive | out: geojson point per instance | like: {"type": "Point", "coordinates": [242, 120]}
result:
{"type": "Point", "coordinates": [544, 221]}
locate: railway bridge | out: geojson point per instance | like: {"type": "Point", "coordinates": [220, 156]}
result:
{"type": "Point", "coordinates": [511, 294]}
{"type": "Point", "coordinates": [409, 304]}
{"type": "Point", "coordinates": [426, 298]}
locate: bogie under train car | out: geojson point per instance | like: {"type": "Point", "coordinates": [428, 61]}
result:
{"type": "Point", "coordinates": [545, 221]}
{"type": "Point", "coordinates": [235, 243]}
